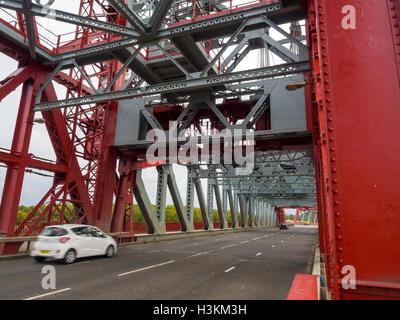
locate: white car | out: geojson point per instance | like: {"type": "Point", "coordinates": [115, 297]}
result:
{"type": "Point", "coordinates": [71, 241]}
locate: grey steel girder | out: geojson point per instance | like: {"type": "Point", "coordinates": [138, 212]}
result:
{"type": "Point", "coordinates": [41, 11]}
{"type": "Point", "coordinates": [180, 87]}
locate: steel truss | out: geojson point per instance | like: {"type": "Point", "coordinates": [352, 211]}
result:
{"type": "Point", "coordinates": [181, 58]}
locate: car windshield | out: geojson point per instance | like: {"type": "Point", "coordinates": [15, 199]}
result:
{"type": "Point", "coordinates": [54, 232]}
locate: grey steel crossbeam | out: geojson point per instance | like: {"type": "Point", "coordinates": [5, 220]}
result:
{"type": "Point", "coordinates": [136, 38]}
{"type": "Point", "coordinates": [159, 15]}
{"type": "Point", "coordinates": [37, 10]}
{"type": "Point", "coordinates": [129, 15]}
{"type": "Point", "coordinates": [30, 27]}
{"type": "Point", "coordinates": [180, 86]}
{"type": "Point", "coordinates": [218, 21]}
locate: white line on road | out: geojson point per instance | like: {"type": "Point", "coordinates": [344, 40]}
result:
{"type": "Point", "coordinates": [232, 245]}
{"type": "Point", "coordinates": [258, 254]}
{"type": "Point", "coordinates": [257, 238]}
{"type": "Point", "coordinates": [230, 269]}
{"type": "Point", "coordinates": [146, 268]}
{"type": "Point", "coordinates": [48, 294]}
{"type": "Point", "coordinates": [200, 254]}
{"type": "Point", "coordinates": [273, 246]}
{"type": "Point", "coordinates": [77, 264]}
{"type": "Point", "coordinates": [243, 242]}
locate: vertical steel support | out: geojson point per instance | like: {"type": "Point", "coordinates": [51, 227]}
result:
{"type": "Point", "coordinates": [232, 208]}
{"type": "Point", "coordinates": [190, 194]}
{"type": "Point", "coordinates": [15, 173]}
{"type": "Point", "coordinates": [210, 201]}
{"type": "Point", "coordinates": [250, 210]}
{"type": "Point", "coordinates": [207, 222]}
{"type": "Point", "coordinates": [143, 201]}
{"type": "Point", "coordinates": [186, 225]}
{"type": "Point", "coordinates": [352, 128]}
{"type": "Point", "coordinates": [243, 211]}
{"type": "Point", "coordinates": [222, 219]}
{"type": "Point", "coordinates": [161, 198]}
{"type": "Point", "coordinates": [236, 207]}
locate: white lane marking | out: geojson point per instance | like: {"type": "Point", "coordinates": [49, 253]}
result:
{"type": "Point", "coordinates": [230, 269]}
{"type": "Point", "coordinates": [243, 242]}
{"type": "Point", "coordinates": [153, 251]}
{"type": "Point", "coordinates": [273, 246]}
{"type": "Point", "coordinates": [282, 240]}
{"type": "Point", "coordinates": [232, 245]}
{"type": "Point", "coordinates": [200, 254]}
{"type": "Point", "coordinates": [146, 268]}
{"type": "Point", "coordinates": [257, 238]}
{"type": "Point", "coordinates": [77, 264]}
{"type": "Point", "coordinates": [258, 254]}
{"type": "Point", "coordinates": [48, 294]}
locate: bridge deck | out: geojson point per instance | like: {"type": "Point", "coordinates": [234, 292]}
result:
{"type": "Point", "coordinates": [259, 264]}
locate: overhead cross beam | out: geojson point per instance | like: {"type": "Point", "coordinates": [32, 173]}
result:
{"type": "Point", "coordinates": [180, 86]}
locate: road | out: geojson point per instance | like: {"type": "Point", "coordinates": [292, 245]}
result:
{"type": "Point", "coordinates": [259, 264]}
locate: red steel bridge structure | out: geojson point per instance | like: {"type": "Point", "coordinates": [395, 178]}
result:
{"type": "Point", "coordinates": [130, 64]}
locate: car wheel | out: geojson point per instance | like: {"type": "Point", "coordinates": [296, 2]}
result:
{"type": "Point", "coordinates": [40, 259]}
{"type": "Point", "coordinates": [110, 252]}
{"type": "Point", "coordinates": [70, 257]}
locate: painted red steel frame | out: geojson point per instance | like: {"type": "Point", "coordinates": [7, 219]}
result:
{"type": "Point", "coordinates": [356, 107]}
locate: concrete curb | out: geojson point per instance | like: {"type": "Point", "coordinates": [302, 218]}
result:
{"type": "Point", "coordinates": [317, 268]}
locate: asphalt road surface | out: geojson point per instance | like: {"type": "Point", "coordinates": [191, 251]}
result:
{"type": "Point", "coordinates": [258, 264]}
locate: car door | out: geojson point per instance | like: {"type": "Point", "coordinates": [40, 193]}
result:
{"type": "Point", "coordinates": [97, 243]}
{"type": "Point", "coordinates": [83, 241]}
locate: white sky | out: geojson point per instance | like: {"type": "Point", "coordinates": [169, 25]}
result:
{"type": "Point", "coordinates": [36, 186]}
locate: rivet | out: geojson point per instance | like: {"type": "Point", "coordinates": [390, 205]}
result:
{"type": "Point", "coordinates": [340, 249]}
{"type": "Point", "coordinates": [337, 214]}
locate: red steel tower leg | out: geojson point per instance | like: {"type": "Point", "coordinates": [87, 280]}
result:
{"type": "Point", "coordinates": [357, 109]}
{"type": "Point", "coordinates": [15, 173]}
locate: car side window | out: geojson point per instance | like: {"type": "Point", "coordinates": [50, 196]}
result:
{"type": "Point", "coordinates": [93, 232]}
{"type": "Point", "coordinates": [81, 231]}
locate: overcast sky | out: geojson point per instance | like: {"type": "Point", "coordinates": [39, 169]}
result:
{"type": "Point", "coordinates": [36, 186]}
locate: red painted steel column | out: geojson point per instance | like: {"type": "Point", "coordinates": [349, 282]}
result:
{"type": "Point", "coordinates": [16, 172]}
{"type": "Point", "coordinates": [359, 143]}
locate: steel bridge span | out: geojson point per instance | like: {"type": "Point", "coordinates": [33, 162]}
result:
{"type": "Point", "coordinates": [321, 109]}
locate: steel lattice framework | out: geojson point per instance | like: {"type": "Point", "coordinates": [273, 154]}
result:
{"type": "Point", "coordinates": [132, 66]}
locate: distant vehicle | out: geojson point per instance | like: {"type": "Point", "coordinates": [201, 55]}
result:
{"type": "Point", "coordinates": [291, 224]}
{"type": "Point", "coordinates": [72, 241]}
{"type": "Point", "coordinates": [283, 226]}
{"type": "Point", "coordinates": [306, 222]}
